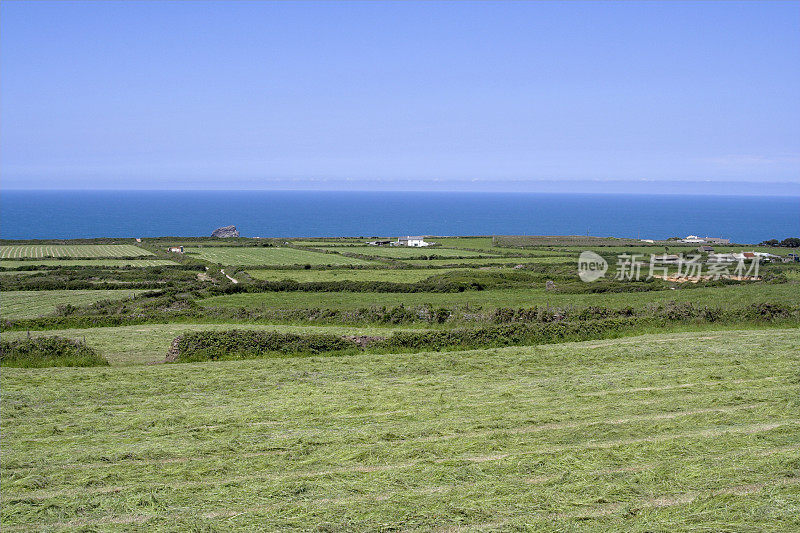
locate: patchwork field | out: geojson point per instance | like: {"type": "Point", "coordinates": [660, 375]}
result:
{"type": "Point", "coordinates": [400, 252]}
{"type": "Point", "coordinates": [489, 299]}
{"type": "Point", "coordinates": [679, 418]}
{"type": "Point", "coordinates": [244, 256]}
{"type": "Point", "coordinates": [391, 275]}
{"type": "Point", "coordinates": [654, 433]}
{"type": "Point", "coordinates": [89, 262]}
{"type": "Point", "coordinates": [29, 304]}
{"type": "Point", "coordinates": [71, 250]}
{"type": "Point", "coordinates": [510, 261]}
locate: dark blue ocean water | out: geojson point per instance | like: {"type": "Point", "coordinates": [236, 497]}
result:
{"type": "Point", "coordinates": [76, 214]}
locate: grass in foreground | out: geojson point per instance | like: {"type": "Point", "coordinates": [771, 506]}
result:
{"type": "Point", "coordinates": [646, 433]}
{"type": "Point", "coordinates": [30, 304]}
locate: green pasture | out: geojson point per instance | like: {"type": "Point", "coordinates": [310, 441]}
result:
{"type": "Point", "coordinates": [474, 243]}
{"type": "Point", "coordinates": [731, 295]}
{"type": "Point", "coordinates": [89, 262]}
{"type": "Point", "coordinates": [403, 252]}
{"type": "Point", "coordinates": [333, 242]}
{"type": "Point", "coordinates": [359, 274]}
{"type": "Point", "coordinates": [484, 261]}
{"type": "Point", "coordinates": [675, 432]}
{"type": "Point", "coordinates": [24, 251]}
{"type": "Point", "coordinates": [30, 304]}
{"type": "Point", "coordinates": [244, 256]}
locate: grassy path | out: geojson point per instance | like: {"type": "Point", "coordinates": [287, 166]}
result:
{"type": "Point", "coordinates": [676, 431]}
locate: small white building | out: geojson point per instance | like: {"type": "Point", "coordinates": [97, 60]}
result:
{"type": "Point", "coordinates": [417, 242]}
{"type": "Point", "coordinates": [722, 258]}
{"type": "Point", "coordinates": [176, 249]}
{"type": "Point", "coordinates": [693, 238]}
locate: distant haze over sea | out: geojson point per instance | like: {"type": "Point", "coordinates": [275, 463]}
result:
{"type": "Point", "coordinates": [82, 214]}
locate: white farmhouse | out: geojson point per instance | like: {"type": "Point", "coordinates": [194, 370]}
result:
{"type": "Point", "coordinates": [416, 242]}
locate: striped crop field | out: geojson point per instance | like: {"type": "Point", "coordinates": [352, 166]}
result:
{"type": "Point", "coordinates": [88, 262]}
{"type": "Point", "coordinates": [30, 304]}
{"type": "Point", "coordinates": [273, 256]}
{"type": "Point", "coordinates": [665, 432]}
{"type": "Point", "coordinates": [24, 251]}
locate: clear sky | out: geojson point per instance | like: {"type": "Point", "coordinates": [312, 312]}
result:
{"type": "Point", "coordinates": [398, 94]}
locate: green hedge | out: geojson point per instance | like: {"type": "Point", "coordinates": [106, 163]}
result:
{"type": "Point", "coordinates": [41, 352]}
{"type": "Point", "coordinates": [247, 344]}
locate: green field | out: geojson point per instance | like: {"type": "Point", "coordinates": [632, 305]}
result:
{"type": "Point", "coordinates": [71, 250]}
{"type": "Point", "coordinates": [387, 274]}
{"type": "Point", "coordinates": [653, 433]}
{"type": "Point", "coordinates": [244, 256]}
{"type": "Point", "coordinates": [474, 243]}
{"type": "Point", "coordinates": [29, 304]}
{"type": "Point", "coordinates": [400, 252]}
{"type": "Point", "coordinates": [89, 262]}
{"type": "Point", "coordinates": [731, 295]}
{"type": "Point", "coordinates": [510, 261]}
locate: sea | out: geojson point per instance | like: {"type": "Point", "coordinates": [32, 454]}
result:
{"type": "Point", "coordinates": [86, 214]}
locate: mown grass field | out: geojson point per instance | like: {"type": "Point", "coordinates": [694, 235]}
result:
{"type": "Point", "coordinates": [731, 295]}
{"type": "Point", "coordinates": [71, 250]}
{"type": "Point", "coordinates": [29, 304]}
{"type": "Point", "coordinates": [89, 262]}
{"type": "Point", "coordinates": [244, 256]}
{"type": "Point", "coordinates": [654, 433]}
{"type": "Point", "coordinates": [388, 274]}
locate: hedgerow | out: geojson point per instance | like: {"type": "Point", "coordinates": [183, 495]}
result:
{"type": "Point", "coordinates": [246, 344]}
{"type": "Point", "coordinates": [41, 352]}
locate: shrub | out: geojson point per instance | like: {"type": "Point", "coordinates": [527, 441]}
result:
{"type": "Point", "coordinates": [41, 352]}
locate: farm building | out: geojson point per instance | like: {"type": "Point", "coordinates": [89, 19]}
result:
{"type": "Point", "coordinates": [707, 249]}
{"type": "Point", "coordinates": [417, 242]}
{"type": "Point", "coordinates": [176, 249]}
{"type": "Point", "coordinates": [722, 258]}
{"type": "Point", "coordinates": [379, 243]}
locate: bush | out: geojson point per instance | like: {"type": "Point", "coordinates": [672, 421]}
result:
{"type": "Point", "coordinates": [41, 352]}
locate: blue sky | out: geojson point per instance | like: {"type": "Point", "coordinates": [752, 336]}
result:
{"type": "Point", "coordinates": [399, 94]}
